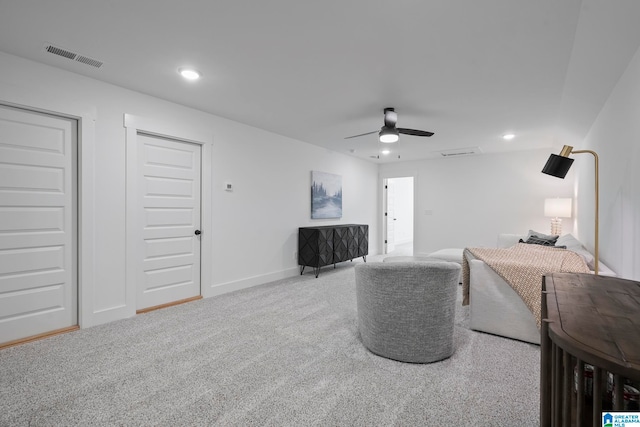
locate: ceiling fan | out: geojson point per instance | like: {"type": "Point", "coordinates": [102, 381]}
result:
{"type": "Point", "coordinates": [389, 132]}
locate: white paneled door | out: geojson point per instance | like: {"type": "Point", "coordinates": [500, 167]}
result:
{"type": "Point", "coordinates": [390, 212]}
{"type": "Point", "coordinates": [169, 186]}
{"type": "Point", "coordinates": [38, 242]}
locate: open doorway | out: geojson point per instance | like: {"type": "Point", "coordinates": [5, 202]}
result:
{"type": "Point", "coordinates": [398, 216]}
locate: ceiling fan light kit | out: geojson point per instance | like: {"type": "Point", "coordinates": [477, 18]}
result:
{"type": "Point", "coordinates": [389, 133]}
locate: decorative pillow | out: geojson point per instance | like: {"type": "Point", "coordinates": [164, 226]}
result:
{"type": "Point", "coordinates": [570, 241]}
{"type": "Point", "coordinates": [574, 245]}
{"type": "Point", "coordinates": [535, 240]}
{"type": "Point", "coordinates": [553, 237]}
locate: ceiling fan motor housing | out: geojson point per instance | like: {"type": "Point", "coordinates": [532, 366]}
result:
{"type": "Point", "coordinates": [390, 117]}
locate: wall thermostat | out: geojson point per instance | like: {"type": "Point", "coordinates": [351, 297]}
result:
{"type": "Point", "coordinates": [228, 186]}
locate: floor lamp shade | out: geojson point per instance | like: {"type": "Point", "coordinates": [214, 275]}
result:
{"type": "Point", "coordinates": [557, 166]}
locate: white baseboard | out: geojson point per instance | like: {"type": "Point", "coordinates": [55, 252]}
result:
{"type": "Point", "coordinates": [236, 285]}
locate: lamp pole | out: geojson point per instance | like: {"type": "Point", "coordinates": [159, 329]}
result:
{"type": "Point", "coordinates": [558, 166]}
{"type": "Point", "coordinates": [597, 197]}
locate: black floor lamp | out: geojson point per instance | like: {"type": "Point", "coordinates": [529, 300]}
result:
{"type": "Point", "coordinates": [558, 166]}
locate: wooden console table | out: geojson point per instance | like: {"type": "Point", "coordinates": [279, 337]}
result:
{"type": "Point", "coordinates": [593, 321]}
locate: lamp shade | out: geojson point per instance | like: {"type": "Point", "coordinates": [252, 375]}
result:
{"type": "Point", "coordinates": [557, 208]}
{"type": "Point", "coordinates": [557, 166]}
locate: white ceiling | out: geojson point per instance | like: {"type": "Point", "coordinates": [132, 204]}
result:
{"type": "Point", "coordinates": [318, 71]}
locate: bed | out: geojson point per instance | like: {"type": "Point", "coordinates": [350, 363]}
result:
{"type": "Point", "coordinates": [495, 307]}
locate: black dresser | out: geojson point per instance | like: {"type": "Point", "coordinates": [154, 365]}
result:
{"type": "Point", "coordinates": [331, 244]}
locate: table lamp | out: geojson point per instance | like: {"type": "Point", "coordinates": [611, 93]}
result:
{"type": "Point", "coordinates": [557, 209]}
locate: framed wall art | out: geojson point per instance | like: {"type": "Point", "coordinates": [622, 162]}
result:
{"type": "Point", "coordinates": [326, 195]}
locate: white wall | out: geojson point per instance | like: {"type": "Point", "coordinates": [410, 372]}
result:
{"type": "Point", "coordinates": [255, 226]}
{"type": "Point", "coordinates": [472, 199]}
{"type": "Point", "coordinates": [615, 136]}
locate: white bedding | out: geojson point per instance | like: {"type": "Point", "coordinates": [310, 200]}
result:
{"type": "Point", "coordinates": [495, 307]}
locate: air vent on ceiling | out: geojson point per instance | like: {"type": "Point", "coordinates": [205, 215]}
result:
{"type": "Point", "coordinates": [469, 151]}
{"type": "Point", "coordinates": [73, 56]}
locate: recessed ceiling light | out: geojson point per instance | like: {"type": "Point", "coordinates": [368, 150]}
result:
{"type": "Point", "coordinates": [189, 73]}
{"type": "Point", "coordinates": [508, 136]}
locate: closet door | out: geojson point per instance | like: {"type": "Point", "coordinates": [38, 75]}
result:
{"type": "Point", "coordinates": [169, 196]}
{"type": "Point", "coordinates": [38, 237]}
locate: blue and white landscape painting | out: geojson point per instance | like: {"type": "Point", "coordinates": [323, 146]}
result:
{"type": "Point", "coordinates": [326, 195]}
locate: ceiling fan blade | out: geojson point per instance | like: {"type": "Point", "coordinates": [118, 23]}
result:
{"type": "Point", "coordinates": [415, 132]}
{"type": "Point", "coordinates": [390, 117]}
{"type": "Point", "coordinates": [362, 134]}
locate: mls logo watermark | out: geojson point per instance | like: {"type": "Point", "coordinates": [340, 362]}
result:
{"type": "Point", "coordinates": [621, 419]}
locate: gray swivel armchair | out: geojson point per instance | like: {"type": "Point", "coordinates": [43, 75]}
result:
{"type": "Point", "coordinates": [406, 310]}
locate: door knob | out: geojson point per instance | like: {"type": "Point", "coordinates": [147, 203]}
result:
{"type": "Point", "coordinates": [198, 232]}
